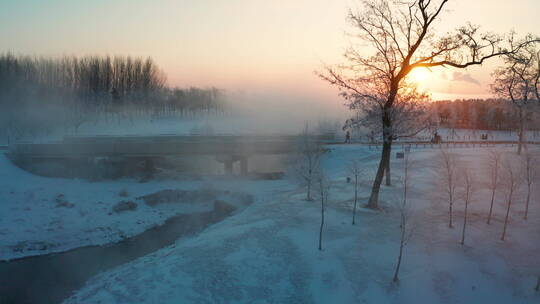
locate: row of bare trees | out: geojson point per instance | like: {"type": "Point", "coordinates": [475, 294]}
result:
{"type": "Point", "coordinates": [459, 183]}
{"type": "Point", "coordinates": [91, 80]}
{"type": "Point", "coordinates": [309, 171]}
{"type": "Point", "coordinates": [506, 175]}
{"type": "Point", "coordinates": [38, 94]}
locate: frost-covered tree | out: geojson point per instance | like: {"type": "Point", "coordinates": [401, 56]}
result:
{"type": "Point", "coordinates": [449, 180]}
{"type": "Point", "coordinates": [393, 39]}
{"type": "Point", "coordinates": [323, 192]}
{"type": "Point", "coordinates": [529, 169]}
{"type": "Point", "coordinates": [494, 166]}
{"type": "Point", "coordinates": [356, 169]}
{"type": "Point", "coordinates": [405, 213]}
{"type": "Point", "coordinates": [308, 162]}
{"type": "Point", "coordinates": [511, 180]}
{"type": "Point", "coordinates": [467, 190]}
{"type": "Point", "coordinates": [519, 82]}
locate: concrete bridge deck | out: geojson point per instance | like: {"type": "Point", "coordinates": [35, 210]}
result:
{"type": "Point", "coordinates": [226, 149]}
{"type": "Point", "coordinates": [159, 146]}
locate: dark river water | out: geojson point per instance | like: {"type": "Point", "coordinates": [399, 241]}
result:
{"type": "Point", "coordinates": [52, 278]}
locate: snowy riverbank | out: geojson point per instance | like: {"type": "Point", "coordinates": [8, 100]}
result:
{"type": "Point", "coordinates": [45, 215]}
{"type": "Point", "coordinates": [268, 253]}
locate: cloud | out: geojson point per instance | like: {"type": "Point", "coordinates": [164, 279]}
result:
{"type": "Point", "coordinates": [458, 76]}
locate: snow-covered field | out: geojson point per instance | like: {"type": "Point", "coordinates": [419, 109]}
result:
{"type": "Point", "coordinates": [42, 215]}
{"type": "Point", "coordinates": [268, 252]}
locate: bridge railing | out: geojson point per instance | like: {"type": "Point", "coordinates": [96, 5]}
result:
{"type": "Point", "coordinates": [452, 144]}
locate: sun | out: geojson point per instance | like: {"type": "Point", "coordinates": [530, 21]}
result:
{"type": "Point", "coordinates": [419, 75]}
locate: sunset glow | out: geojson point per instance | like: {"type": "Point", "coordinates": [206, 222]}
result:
{"type": "Point", "coordinates": [420, 76]}
{"type": "Point", "coordinates": [255, 151]}
{"type": "Point", "coordinates": [234, 45]}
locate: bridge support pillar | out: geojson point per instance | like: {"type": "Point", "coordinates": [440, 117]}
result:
{"type": "Point", "coordinates": [228, 166]}
{"type": "Point", "coordinates": [149, 169]}
{"type": "Point", "coordinates": [244, 165]}
{"type": "Point", "coordinates": [228, 162]}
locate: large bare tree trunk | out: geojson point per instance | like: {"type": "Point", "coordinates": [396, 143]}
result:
{"type": "Point", "coordinates": [388, 175]}
{"type": "Point", "coordinates": [374, 198]}
{"type": "Point", "coordinates": [373, 202]}
{"type": "Point", "coordinates": [538, 284]}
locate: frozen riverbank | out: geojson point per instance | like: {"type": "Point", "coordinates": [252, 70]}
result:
{"type": "Point", "coordinates": [269, 252]}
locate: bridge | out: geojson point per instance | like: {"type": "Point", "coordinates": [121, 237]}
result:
{"type": "Point", "coordinates": [123, 151]}
{"type": "Point", "coordinates": [227, 149]}
{"type": "Point", "coordinates": [451, 144]}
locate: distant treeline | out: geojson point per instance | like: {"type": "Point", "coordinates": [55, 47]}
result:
{"type": "Point", "coordinates": [90, 80]}
{"type": "Point", "coordinates": [78, 88]}
{"type": "Point", "coordinates": [485, 114]}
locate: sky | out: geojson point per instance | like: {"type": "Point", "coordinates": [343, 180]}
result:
{"type": "Point", "coordinates": [269, 48]}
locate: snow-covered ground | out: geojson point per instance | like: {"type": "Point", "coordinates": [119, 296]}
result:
{"type": "Point", "coordinates": [41, 215]}
{"type": "Point", "coordinates": [268, 252]}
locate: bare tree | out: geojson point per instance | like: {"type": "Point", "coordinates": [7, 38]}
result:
{"type": "Point", "coordinates": [494, 163]}
{"type": "Point", "coordinates": [467, 191]}
{"type": "Point", "coordinates": [449, 176]}
{"type": "Point", "coordinates": [529, 172]}
{"type": "Point", "coordinates": [511, 181]}
{"type": "Point", "coordinates": [405, 215]}
{"type": "Point", "coordinates": [308, 164]}
{"type": "Point", "coordinates": [538, 284]}
{"type": "Point", "coordinates": [396, 37]}
{"type": "Point", "coordinates": [356, 170]}
{"type": "Point", "coordinates": [518, 81]}
{"type": "Point", "coordinates": [409, 116]}
{"type": "Point", "coordinates": [323, 190]}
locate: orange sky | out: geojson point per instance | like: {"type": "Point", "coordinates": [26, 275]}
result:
{"type": "Point", "coordinates": [250, 45]}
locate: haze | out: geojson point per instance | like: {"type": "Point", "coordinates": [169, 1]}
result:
{"type": "Point", "coordinates": [267, 47]}
{"type": "Point", "coordinates": [250, 151]}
